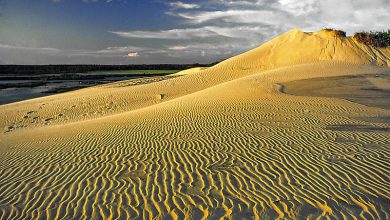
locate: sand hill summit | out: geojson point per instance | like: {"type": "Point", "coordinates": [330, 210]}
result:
{"type": "Point", "coordinates": [297, 47]}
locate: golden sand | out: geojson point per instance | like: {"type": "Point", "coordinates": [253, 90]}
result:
{"type": "Point", "coordinates": [221, 142]}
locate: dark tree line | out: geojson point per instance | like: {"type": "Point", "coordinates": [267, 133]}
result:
{"type": "Point", "coordinates": [60, 69]}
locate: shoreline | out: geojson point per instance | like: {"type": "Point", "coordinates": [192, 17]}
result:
{"type": "Point", "coordinates": [20, 88]}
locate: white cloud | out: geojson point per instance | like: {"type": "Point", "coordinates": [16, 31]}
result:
{"type": "Point", "coordinates": [232, 3]}
{"type": "Point", "coordinates": [229, 16]}
{"type": "Point", "coordinates": [300, 7]}
{"type": "Point", "coordinates": [125, 49]}
{"type": "Point", "coordinates": [187, 33]}
{"type": "Point", "coordinates": [41, 49]}
{"type": "Point", "coordinates": [178, 47]}
{"type": "Point", "coordinates": [183, 5]}
{"type": "Point", "coordinates": [132, 54]}
{"type": "Point", "coordinates": [107, 52]}
{"type": "Point", "coordinates": [282, 15]}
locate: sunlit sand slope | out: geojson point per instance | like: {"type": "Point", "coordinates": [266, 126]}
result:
{"type": "Point", "coordinates": [292, 48]}
{"type": "Point", "coordinates": [221, 142]}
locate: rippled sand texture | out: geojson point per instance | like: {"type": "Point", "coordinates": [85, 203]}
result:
{"type": "Point", "coordinates": [217, 142]}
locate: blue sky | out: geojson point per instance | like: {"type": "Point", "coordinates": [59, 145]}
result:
{"type": "Point", "coordinates": [158, 31]}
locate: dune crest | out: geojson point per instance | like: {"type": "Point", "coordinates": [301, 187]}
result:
{"type": "Point", "coordinates": [189, 71]}
{"type": "Point", "coordinates": [217, 143]}
{"type": "Point", "coordinates": [297, 47]}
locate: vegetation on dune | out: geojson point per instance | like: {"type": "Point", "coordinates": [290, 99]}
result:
{"type": "Point", "coordinates": [340, 33]}
{"type": "Point", "coordinates": [371, 38]}
{"type": "Point", "coordinates": [376, 39]}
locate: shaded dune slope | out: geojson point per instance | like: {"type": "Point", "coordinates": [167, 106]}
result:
{"type": "Point", "coordinates": [218, 142]}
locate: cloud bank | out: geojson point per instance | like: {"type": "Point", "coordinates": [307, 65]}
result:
{"type": "Point", "coordinates": [241, 25]}
{"type": "Point", "coordinates": [211, 30]}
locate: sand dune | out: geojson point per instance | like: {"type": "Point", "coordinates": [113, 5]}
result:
{"type": "Point", "coordinates": [221, 142]}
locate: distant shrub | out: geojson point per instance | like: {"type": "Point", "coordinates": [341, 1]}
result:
{"type": "Point", "coordinates": [376, 39]}
{"type": "Point", "coordinates": [339, 33]}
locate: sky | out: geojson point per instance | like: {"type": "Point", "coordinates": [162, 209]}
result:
{"type": "Point", "coordinates": [162, 31]}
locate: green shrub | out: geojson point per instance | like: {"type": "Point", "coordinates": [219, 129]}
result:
{"type": "Point", "coordinates": [376, 39]}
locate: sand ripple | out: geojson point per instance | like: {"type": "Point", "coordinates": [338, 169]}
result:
{"type": "Point", "coordinates": [208, 155]}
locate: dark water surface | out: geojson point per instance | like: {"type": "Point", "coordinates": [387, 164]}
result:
{"type": "Point", "coordinates": [16, 90]}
